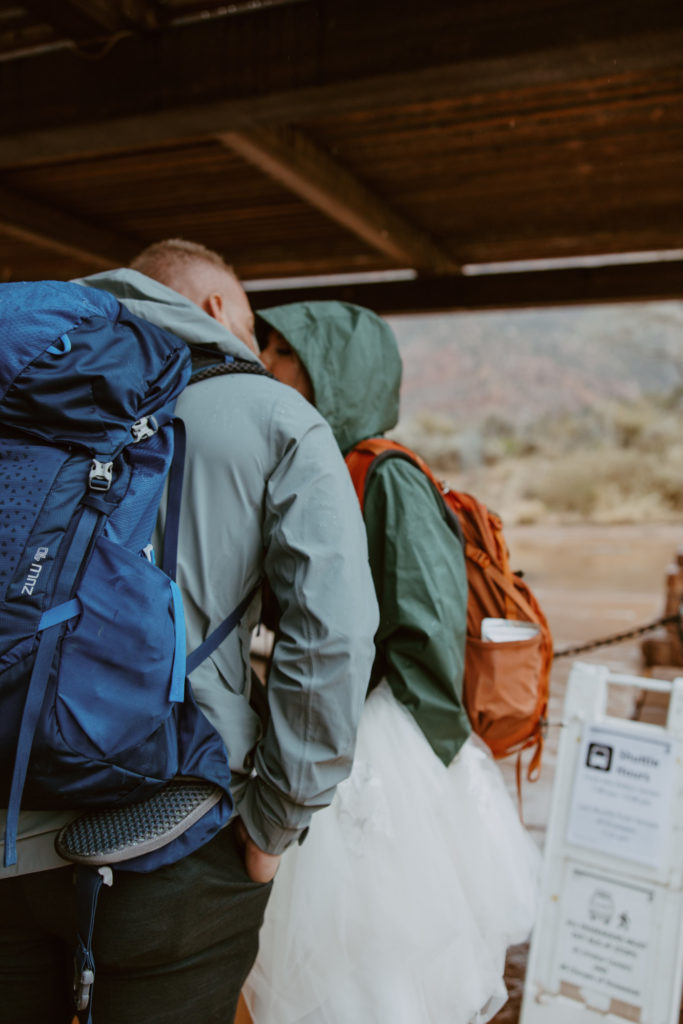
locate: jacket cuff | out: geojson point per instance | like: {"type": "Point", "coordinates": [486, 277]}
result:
{"type": "Point", "coordinates": [270, 836]}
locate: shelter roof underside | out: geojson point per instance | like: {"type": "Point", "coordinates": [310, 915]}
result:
{"type": "Point", "coordinates": [300, 138]}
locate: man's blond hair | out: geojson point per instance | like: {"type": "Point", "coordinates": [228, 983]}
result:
{"type": "Point", "coordinates": [172, 260]}
{"type": "Point", "coordinates": [203, 277]}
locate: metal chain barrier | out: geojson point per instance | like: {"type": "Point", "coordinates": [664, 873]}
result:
{"type": "Point", "coordinates": [627, 635]}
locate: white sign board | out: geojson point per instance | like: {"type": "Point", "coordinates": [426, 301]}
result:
{"type": "Point", "coordinates": [608, 940]}
{"type": "Point", "coordinates": [605, 935]}
{"type": "Point", "coordinates": [621, 803]}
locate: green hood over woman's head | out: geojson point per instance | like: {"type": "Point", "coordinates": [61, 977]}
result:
{"type": "Point", "coordinates": [352, 358]}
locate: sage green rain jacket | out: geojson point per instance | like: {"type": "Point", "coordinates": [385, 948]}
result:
{"type": "Point", "coordinates": [265, 492]}
{"type": "Point", "coordinates": [417, 563]}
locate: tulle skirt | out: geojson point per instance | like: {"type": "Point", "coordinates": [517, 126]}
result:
{"type": "Point", "coordinates": [400, 905]}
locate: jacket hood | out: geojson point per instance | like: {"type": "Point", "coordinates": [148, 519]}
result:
{"type": "Point", "coordinates": [352, 358]}
{"type": "Point", "coordinates": [166, 308]}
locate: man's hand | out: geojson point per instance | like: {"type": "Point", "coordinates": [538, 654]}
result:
{"type": "Point", "coordinates": [261, 866]}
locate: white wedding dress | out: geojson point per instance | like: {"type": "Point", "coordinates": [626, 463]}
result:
{"type": "Point", "coordinates": [399, 906]}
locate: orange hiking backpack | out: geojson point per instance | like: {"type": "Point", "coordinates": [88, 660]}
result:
{"type": "Point", "coordinates": [505, 686]}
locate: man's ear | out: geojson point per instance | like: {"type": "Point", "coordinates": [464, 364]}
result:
{"type": "Point", "coordinates": [214, 306]}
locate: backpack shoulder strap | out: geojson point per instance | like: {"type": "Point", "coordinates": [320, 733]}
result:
{"type": "Point", "coordinates": [204, 370]}
{"type": "Point", "coordinates": [175, 486]}
{"type": "Point", "coordinates": [365, 457]}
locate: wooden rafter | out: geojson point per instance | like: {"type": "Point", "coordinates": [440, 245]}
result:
{"type": "Point", "coordinates": [291, 158]}
{"type": "Point", "coordinates": [84, 19]}
{"type": "Point", "coordinates": [636, 282]}
{"type": "Point", "coordinates": [51, 229]}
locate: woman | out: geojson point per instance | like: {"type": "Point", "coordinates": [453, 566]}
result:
{"type": "Point", "coordinates": [402, 901]}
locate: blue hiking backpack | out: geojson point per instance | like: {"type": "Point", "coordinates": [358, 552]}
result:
{"type": "Point", "coordinates": [96, 709]}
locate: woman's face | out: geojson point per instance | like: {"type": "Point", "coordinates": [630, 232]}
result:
{"type": "Point", "coordinates": [280, 359]}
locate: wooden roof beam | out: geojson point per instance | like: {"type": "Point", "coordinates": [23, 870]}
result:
{"type": "Point", "coordinates": [296, 162]}
{"type": "Point", "coordinates": [628, 282]}
{"type": "Point", "coordinates": [80, 20]}
{"type": "Point", "coordinates": [49, 228]}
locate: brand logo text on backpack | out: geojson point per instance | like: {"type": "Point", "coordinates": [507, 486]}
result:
{"type": "Point", "coordinates": [34, 572]}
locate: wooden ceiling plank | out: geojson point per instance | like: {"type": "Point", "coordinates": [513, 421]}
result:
{"type": "Point", "coordinates": [296, 162]}
{"type": "Point", "coordinates": [85, 19]}
{"type": "Point", "coordinates": [635, 282]}
{"type": "Point", "coordinates": [192, 86]}
{"type": "Point", "coordinates": [51, 229]}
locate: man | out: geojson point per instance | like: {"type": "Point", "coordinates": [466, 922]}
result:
{"type": "Point", "coordinates": [265, 494]}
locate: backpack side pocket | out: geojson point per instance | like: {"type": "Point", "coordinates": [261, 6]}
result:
{"type": "Point", "coordinates": [117, 687]}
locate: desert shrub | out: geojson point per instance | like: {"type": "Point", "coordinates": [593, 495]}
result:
{"type": "Point", "coordinates": [663, 433]}
{"type": "Point", "coordinates": [609, 483]}
{"type": "Point", "coordinates": [438, 440]}
{"type": "Point", "coordinates": [504, 439]}
{"type": "Point", "coordinates": [432, 424]}
{"type": "Point", "coordinates": [674, 400]}
{"type": "Point", "coordinates": [630, 422]}
{"type": "Point", "coordinates": [613, 461]}
{"type": "Point", "coordinates": [566, 486]}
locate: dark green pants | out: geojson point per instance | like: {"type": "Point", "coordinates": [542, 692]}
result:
{"type": "Point", "coordinates": [171, 946]}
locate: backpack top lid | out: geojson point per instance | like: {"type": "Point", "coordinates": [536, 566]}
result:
{"type": "Point", "coordinates": [77, 368]}
{"type": "Point", "coordinates": [35, 314]}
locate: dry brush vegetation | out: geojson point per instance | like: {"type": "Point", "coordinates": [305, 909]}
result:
{"type": "Point", "coordinates": [621, 462]}
{"type": "Point", "coordinates": [564, 415]}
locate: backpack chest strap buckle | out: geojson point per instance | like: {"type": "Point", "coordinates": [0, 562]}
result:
{"type": "Point", "coordinates": [101, 475]}
{"type": "Point", "coordinates": [144, 428]}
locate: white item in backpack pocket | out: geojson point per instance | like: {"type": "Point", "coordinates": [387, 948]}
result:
{"type": "Point", "coordinates": [507, 630]}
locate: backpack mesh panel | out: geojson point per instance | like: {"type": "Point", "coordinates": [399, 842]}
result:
{"type": "Point", "coordinates": [23, 480]}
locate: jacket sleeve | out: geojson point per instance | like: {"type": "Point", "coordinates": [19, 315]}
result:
{"type": "Point", "coordinates": [419, 573]}
{"type": "Point", "coordinates": [317, 565]}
